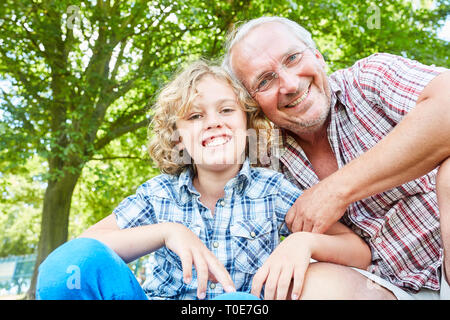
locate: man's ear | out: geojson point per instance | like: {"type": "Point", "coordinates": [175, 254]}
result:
{"type": "Point", "coordinates": [321, 59]}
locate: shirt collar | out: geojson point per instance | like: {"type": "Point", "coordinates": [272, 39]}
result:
{"type": "Point", "coordinates": [237, 184]}
{"type": "Point", "coordinates": [185, 186]}
{"type": "Point", "coordinates": [241, 180]}
{"type": "Point", "coordinates": [335, 91]}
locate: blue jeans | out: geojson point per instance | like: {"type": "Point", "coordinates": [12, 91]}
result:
{"type": "Point", "coordinates": [87, 269]}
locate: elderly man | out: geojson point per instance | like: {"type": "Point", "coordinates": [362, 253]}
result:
{"type": "Point", "coordinates": [345, 142]}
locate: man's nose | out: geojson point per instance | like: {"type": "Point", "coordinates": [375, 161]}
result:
{"type": "Point", "coordinates": [288, 81]}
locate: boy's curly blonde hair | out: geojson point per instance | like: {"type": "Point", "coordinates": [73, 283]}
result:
{"type": "Point", "coordinates": [175, 100]}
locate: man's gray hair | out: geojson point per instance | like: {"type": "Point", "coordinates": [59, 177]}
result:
{"type": "Point", "coordinates": [238, 33]}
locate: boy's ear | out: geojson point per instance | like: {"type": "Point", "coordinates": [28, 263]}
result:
{"type": "Point", "coordinates": [180, 145]}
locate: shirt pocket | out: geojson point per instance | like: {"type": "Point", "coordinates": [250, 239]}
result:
{"type": "Point", "coordinates": [252, 243]}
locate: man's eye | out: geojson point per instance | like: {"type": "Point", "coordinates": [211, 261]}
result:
{"type": "Point", "coordinates": [263, 83]}
{"type": "Point", "coordinates": [293, 58]}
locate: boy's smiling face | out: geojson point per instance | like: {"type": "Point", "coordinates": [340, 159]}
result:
{"type": "Point", "coordinates": [213, 131]}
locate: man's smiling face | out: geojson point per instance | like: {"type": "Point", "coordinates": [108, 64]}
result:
{"type": "Point", "coordinates": [299, 99]}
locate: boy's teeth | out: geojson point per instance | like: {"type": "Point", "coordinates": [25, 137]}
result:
{"type": "Point", "coordinates": [216, 142]}
{"type": "Point", "coordinates": [296, 102]}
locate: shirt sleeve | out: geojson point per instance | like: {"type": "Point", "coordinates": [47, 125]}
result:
{"type": "Point", "coordinates": [287, 195]}
{"type": "Point", "coordinates": [135, 210]}
{"type": "Point", "coordinates": [391, 84]}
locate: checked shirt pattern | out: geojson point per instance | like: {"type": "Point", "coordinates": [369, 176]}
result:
{"type": "Point", "coordinates": [242, 233]}
{"type": "Point", "coordinates": [401, 225]}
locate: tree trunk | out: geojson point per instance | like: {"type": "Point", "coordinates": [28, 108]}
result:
{"type": "Point", "coordinates": [55, 220]}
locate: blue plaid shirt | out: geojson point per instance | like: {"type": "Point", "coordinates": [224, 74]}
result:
{"type": "Point", "coordinates": [244, 230]}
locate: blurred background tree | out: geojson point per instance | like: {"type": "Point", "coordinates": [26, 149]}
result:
{"type": "Point", "coordinates": [78, 80]}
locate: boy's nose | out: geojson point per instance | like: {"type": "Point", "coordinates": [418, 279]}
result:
{"type": "Point", "coordinates": [213, 121]}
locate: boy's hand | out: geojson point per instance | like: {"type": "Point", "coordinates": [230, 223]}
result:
{"type": "Point", "coordinates": [289, 261]}
{"type": "Point", "coordinates": [191, 249]}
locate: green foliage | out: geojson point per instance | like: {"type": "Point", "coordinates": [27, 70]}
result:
{"type": "Point", "coordinates": [104, 184]}
{"type": "Point", "coordinates": [20, 208]}
{"type": "Point", "coordinates": [78, 79]}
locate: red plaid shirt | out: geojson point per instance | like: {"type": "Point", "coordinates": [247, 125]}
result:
{"type": "Point", "coordinates": [401, 225]}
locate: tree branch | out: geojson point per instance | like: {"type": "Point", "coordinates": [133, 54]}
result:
{"type": "Point", "coordinates": [118, 62]}
{"type": "Point", "coordinates": [119, 131]}
{"type": "Point", "coordinates": [119, 157]}
{"type": "Point", "coordinates": [15, 69]}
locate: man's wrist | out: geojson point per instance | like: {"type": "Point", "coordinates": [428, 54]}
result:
{"type": "Point", "coordinates": [343, 189]}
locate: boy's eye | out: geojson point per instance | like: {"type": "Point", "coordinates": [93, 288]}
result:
{"type": "Point", "coordinates": [194, 116]}
{"type": "Point", "coordinates": [227, 110]}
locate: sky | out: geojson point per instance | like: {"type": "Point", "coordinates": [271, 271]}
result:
{"type": "Point", "coordinates": [444, 34]}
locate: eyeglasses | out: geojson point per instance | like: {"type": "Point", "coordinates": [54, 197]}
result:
{"type": "Point", "coordinates": [268, 80]}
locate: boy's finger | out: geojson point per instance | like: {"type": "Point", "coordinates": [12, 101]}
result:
{"type": "Point", "coordinates": [258, 281]}
{"type": "Point", "coordinates": [220, 274]}
{"type": "Point", "coordinates": [202, 275]}
{"type": "Point", "coordinates": [284, 282]}
{"type": "Point", "coordinates": [271, 283]}
{"type": "Point", "coordinates": [224, 278]}
{"type": "Point", "coordinates": [299, 275]}
{"type": "Point", "coordinates": [211, 276]}
{"type": "Point", "coordinates": [186, 264]}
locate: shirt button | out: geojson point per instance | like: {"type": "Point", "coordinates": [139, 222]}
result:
{"type": "Point", "coordinates": [222, 203]}
{"type": "Point", "coordinates": [215, 244]}
{"type": "Point", "coordinates": [378, 240]}
{"type": "Point", "coordinates": [252, 234]}
{"type": "Point", "coordinates": [403, 273]}
{"type": "Point", "coordinates": [212, 285]}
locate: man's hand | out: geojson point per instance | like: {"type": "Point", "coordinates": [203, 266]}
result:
{"type": "Point", "coordinates": [191, 249]}
{"type": "Point", "coordinates": [370, 173]}
{"type": "Point", "coordinates": [317, 209]}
